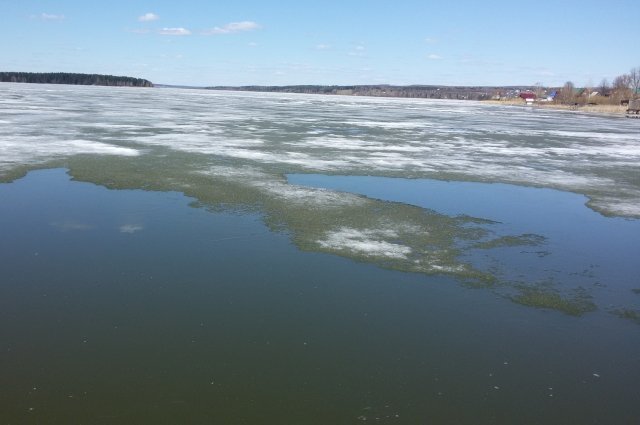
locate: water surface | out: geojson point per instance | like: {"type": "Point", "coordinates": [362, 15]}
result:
{"type": "Point", "coordinates": [158, 266]}
{"type": "Point", "coordinates": [131, 306]}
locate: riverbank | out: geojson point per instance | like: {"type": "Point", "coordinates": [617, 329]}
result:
{"type": "Point", "coordinates": [609, 110]}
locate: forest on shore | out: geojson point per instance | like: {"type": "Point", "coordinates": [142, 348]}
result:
{"type": "Point", "coordinates": [73, 78]}
{"type": "Point", "coordinates": [623, 87]}
{"type": "Point", "coordinates": [382, 90]}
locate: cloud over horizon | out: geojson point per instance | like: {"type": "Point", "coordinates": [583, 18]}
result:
{"type": "Point", "coordinates": [233, 27]}
{"type": "Point", "coordinates": [48, 17]}
{"type": "Point", "coordinates": [148, 17]}
{"type": "Point", "coordinates": [357, 50]}
{"type": "Point", "coordinates": [174, 31]}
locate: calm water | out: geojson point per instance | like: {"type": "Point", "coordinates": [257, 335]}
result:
{"type": "Point", "coordinates": [189, 256]}
{"type": "Point", "coordinates": [135, 307]}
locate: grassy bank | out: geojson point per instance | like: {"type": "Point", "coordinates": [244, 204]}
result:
{"type": "Point", "coordinates": [616, 110]}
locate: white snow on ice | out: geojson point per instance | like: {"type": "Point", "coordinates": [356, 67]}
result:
{"type": "Point", "coordinates": [288, 133]}
{"type": "Point", "coordinates": [367, 242]}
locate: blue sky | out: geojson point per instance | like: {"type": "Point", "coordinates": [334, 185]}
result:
{"type": "Point", "coordinates": [197, 42]}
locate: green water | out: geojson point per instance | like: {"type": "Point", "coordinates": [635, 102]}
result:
{"type": "Point", "coordinates": [126, 306]}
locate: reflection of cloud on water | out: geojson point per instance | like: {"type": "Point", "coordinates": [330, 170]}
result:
{"type": "Point", "coordinates": [130, 228]}
{"type": "Point", "coordinates": [68, 226]}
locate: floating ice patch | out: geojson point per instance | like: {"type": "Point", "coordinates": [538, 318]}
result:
{"type": "Point", "coordinates": [130, 228]}
{"type": "Point", "coordinates": [617, 206]}
{"type": "Point", "coordinates": [303, 195]}
{"type": "Point", "coordinates": [279, 188]}
{"type": "Point", "coordinates": [32, 150]}
{"type": "Point", "coordinates": [444, 269]}
{"type": "Point", "coordinates": [91, 147]}
{"type": "Point", "coordinates": [365, 242]}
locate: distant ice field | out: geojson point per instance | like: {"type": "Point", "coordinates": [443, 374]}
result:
{"type": "Point", "coordinates": [275, 134]}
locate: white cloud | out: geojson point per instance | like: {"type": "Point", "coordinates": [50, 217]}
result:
{"type": "Point", "coordinates": [148, 17]}
{"type": "Point", "coordinates": [358, 50]}
{"type": "Point", "coordinates": [430, 40]}
{"type": "Point", "coordinates": [48, 17]}
{"type": "Point", "coordinates": [323, 47]}
{"type": "Point", "coordinates": [252, 44]}
{"type": "Point", "coordinates": [233, 27]}
{"type": "Point", "coordinates": [434, 57]}
{"type": "Point", "coordinates": [139, 31]}
{"type": "Point", "coordinates": [174, 31]}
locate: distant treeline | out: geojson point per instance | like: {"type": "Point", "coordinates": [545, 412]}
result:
{"type": "Point", "coordinates": [72, 78]}
{"type": "Point", "coordinates": [417, 91]}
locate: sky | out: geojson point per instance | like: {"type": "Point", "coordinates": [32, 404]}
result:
{"type": "Point", "coordinates": [205, 43]}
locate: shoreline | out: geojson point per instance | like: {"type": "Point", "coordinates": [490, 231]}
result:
{"type": "Point", "coordinates": [602, 110]}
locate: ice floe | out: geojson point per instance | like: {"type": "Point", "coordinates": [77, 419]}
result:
{"type": "Point", "coordinates": [367, 242]}
{"type": "Point", "coordinates": [288, 133]}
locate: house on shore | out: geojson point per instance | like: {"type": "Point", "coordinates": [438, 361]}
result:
{"type": "Point", "coordinates": [528, 97]}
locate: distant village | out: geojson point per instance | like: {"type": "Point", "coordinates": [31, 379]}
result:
{"type": "Point", "coordinates": [570, 95]}
{"type": "Point", "coordinates": [622, 91]}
